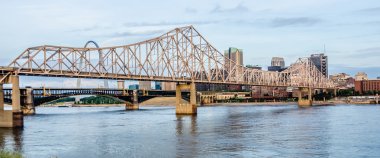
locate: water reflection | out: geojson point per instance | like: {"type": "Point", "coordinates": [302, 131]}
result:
{"type": "Point", "coordinates": [11, 139]}
{"type": "Point", "coordinates": [308, 133]}
{"type": "Point", "coordinates": [186, 133]}
{"type": "Point", "coordinates": [245, 131]}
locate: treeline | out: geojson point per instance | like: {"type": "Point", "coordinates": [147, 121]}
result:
{"type": "Point", "coordinates": [62, 100]}
{"type": "Point", "coordinates": [89, 100]}
{"type": "Point", "coordinates": [352, 92]}
{"type": "Point", "coordinates": [99, 100]}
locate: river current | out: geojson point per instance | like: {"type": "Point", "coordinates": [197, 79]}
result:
{"type": "Point", "coordinates": [218, 131]}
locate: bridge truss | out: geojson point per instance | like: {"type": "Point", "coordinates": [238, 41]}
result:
{"type": "Point", "coordinates": [180, 55]}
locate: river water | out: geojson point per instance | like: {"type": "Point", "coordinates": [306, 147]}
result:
{"type": "Point", "coordinates": [221, 131]}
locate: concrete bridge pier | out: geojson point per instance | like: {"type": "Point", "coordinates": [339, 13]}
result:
{"type": "Point", "coordinates": [14, 117]}
{"type": "Point", "coordinates": [324, 91]}
{"type": "Point", "coordinates": [183, 108]}
{"type": "Point", "coordinates": [207, 99]}
{"type": "Point", "coordinates": [305, 102]}
{"type": "Point", "coordinates": [135, 102]}
{"type": "Point", "coordinates": [29, 108]}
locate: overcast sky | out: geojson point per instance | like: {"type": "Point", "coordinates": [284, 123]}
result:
{"type": "Point", "coordinates": [350, 29]}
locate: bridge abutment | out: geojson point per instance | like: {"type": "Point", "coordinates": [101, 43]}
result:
{"type": "Point", "coordinates": [135, 102]}
{"type": "Point", "coordinates": [14, 117]}
{"type": "Point", "coordinates": [184, 108]}
{"type": "Point", "coordinates": [305, 102]}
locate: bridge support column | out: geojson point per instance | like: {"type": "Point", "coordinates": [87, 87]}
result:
{"type": "Point", "coordinates": [15, 117]}
{"type": "Point", "coordinates": [135, 102]}
{"type": "Point", "coordinates": [305, 102]}
{"type": "Point", "coordinates": [120, 84]}
{"type": "Point", "coordinates": [1, 98]}
{"type": "Point", "coordinates": [335, 94]}
{"type": "Point", "coordinates": [324, 93]}
{"type": "Point", "coordinates": [29, 108]}
{"type": "Point", "coordinates": [182, 108]}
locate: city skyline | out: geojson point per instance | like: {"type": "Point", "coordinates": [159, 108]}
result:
{"type": "Point", "coordinates": [290, 29]}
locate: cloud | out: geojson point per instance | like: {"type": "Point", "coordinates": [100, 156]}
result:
{"type": "Point", "coordinates": [136, 33]}
{"type": "Point", "coordinates": [140, 25]}
{"type": "Point", "coordinates": [240, 8]}
{"type": "Point", "coordinates": [370, 52]}
{"type": "Point", "coordinates": [165, 23]}
{"type": "Point", "coordinates": [86, 29]}
{"type": "Point", "coordinates": [191, 10]}
{"type": "Point", "coordinates": [295, 21]}
{"type": "Point", "coordinates": [370, 10]}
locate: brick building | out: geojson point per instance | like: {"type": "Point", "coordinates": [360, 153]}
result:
{"type": "Point", "coordinates": [364, 86]}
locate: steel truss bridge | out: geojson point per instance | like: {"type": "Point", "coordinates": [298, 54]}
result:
{"type": "Point", "coordinates": [180, 55]}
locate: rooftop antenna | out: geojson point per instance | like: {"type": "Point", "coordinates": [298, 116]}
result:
{"type": "Point", "coordinates": [324, 48]}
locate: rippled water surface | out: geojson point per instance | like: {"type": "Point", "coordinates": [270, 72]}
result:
{"type": "Point", "coordinates": [221, 131]}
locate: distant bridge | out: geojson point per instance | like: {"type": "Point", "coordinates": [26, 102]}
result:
{"type": "Point", "coordinates": [45, 95]}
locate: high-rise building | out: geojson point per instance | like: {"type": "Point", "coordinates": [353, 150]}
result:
{"type": "Point", "coordinates": [234, 57]}
{"type": "Point", "coordinates": [234, 54]}
{"type": "Point", "coordinates": [321, 62]}
{"type": "Point", "coordinates": [145, 85]}
{"type": "Point", "coordinates": [278, 61]}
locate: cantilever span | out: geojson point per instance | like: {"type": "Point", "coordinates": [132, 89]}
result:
{"type": "Point", "coordinates": [180, 55]}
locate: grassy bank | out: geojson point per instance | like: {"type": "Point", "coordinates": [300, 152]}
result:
{"type": "Point", "coordinates": [10, 154]}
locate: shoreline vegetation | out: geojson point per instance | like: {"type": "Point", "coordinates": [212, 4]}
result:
{"type": "Point", "coordinates": [10, 154]}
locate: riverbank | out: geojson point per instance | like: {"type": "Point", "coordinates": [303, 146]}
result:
{"type": "Point", "coordinates": [84, 105]}
{"type": "Point", "coordinates": [253, 103]}
{"type": "Point", "coordinates": [161, 101]}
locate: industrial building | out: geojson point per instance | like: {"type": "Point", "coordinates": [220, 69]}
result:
{"type": "Point", "coordinates": [367, 86]}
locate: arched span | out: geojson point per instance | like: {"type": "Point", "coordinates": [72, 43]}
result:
{"type": "Point", "coordinates": [93, 42]}
{"type": "Point", "coordinates": [49, 99]}
{"type": "Point", "coordinates": [101, 63]}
